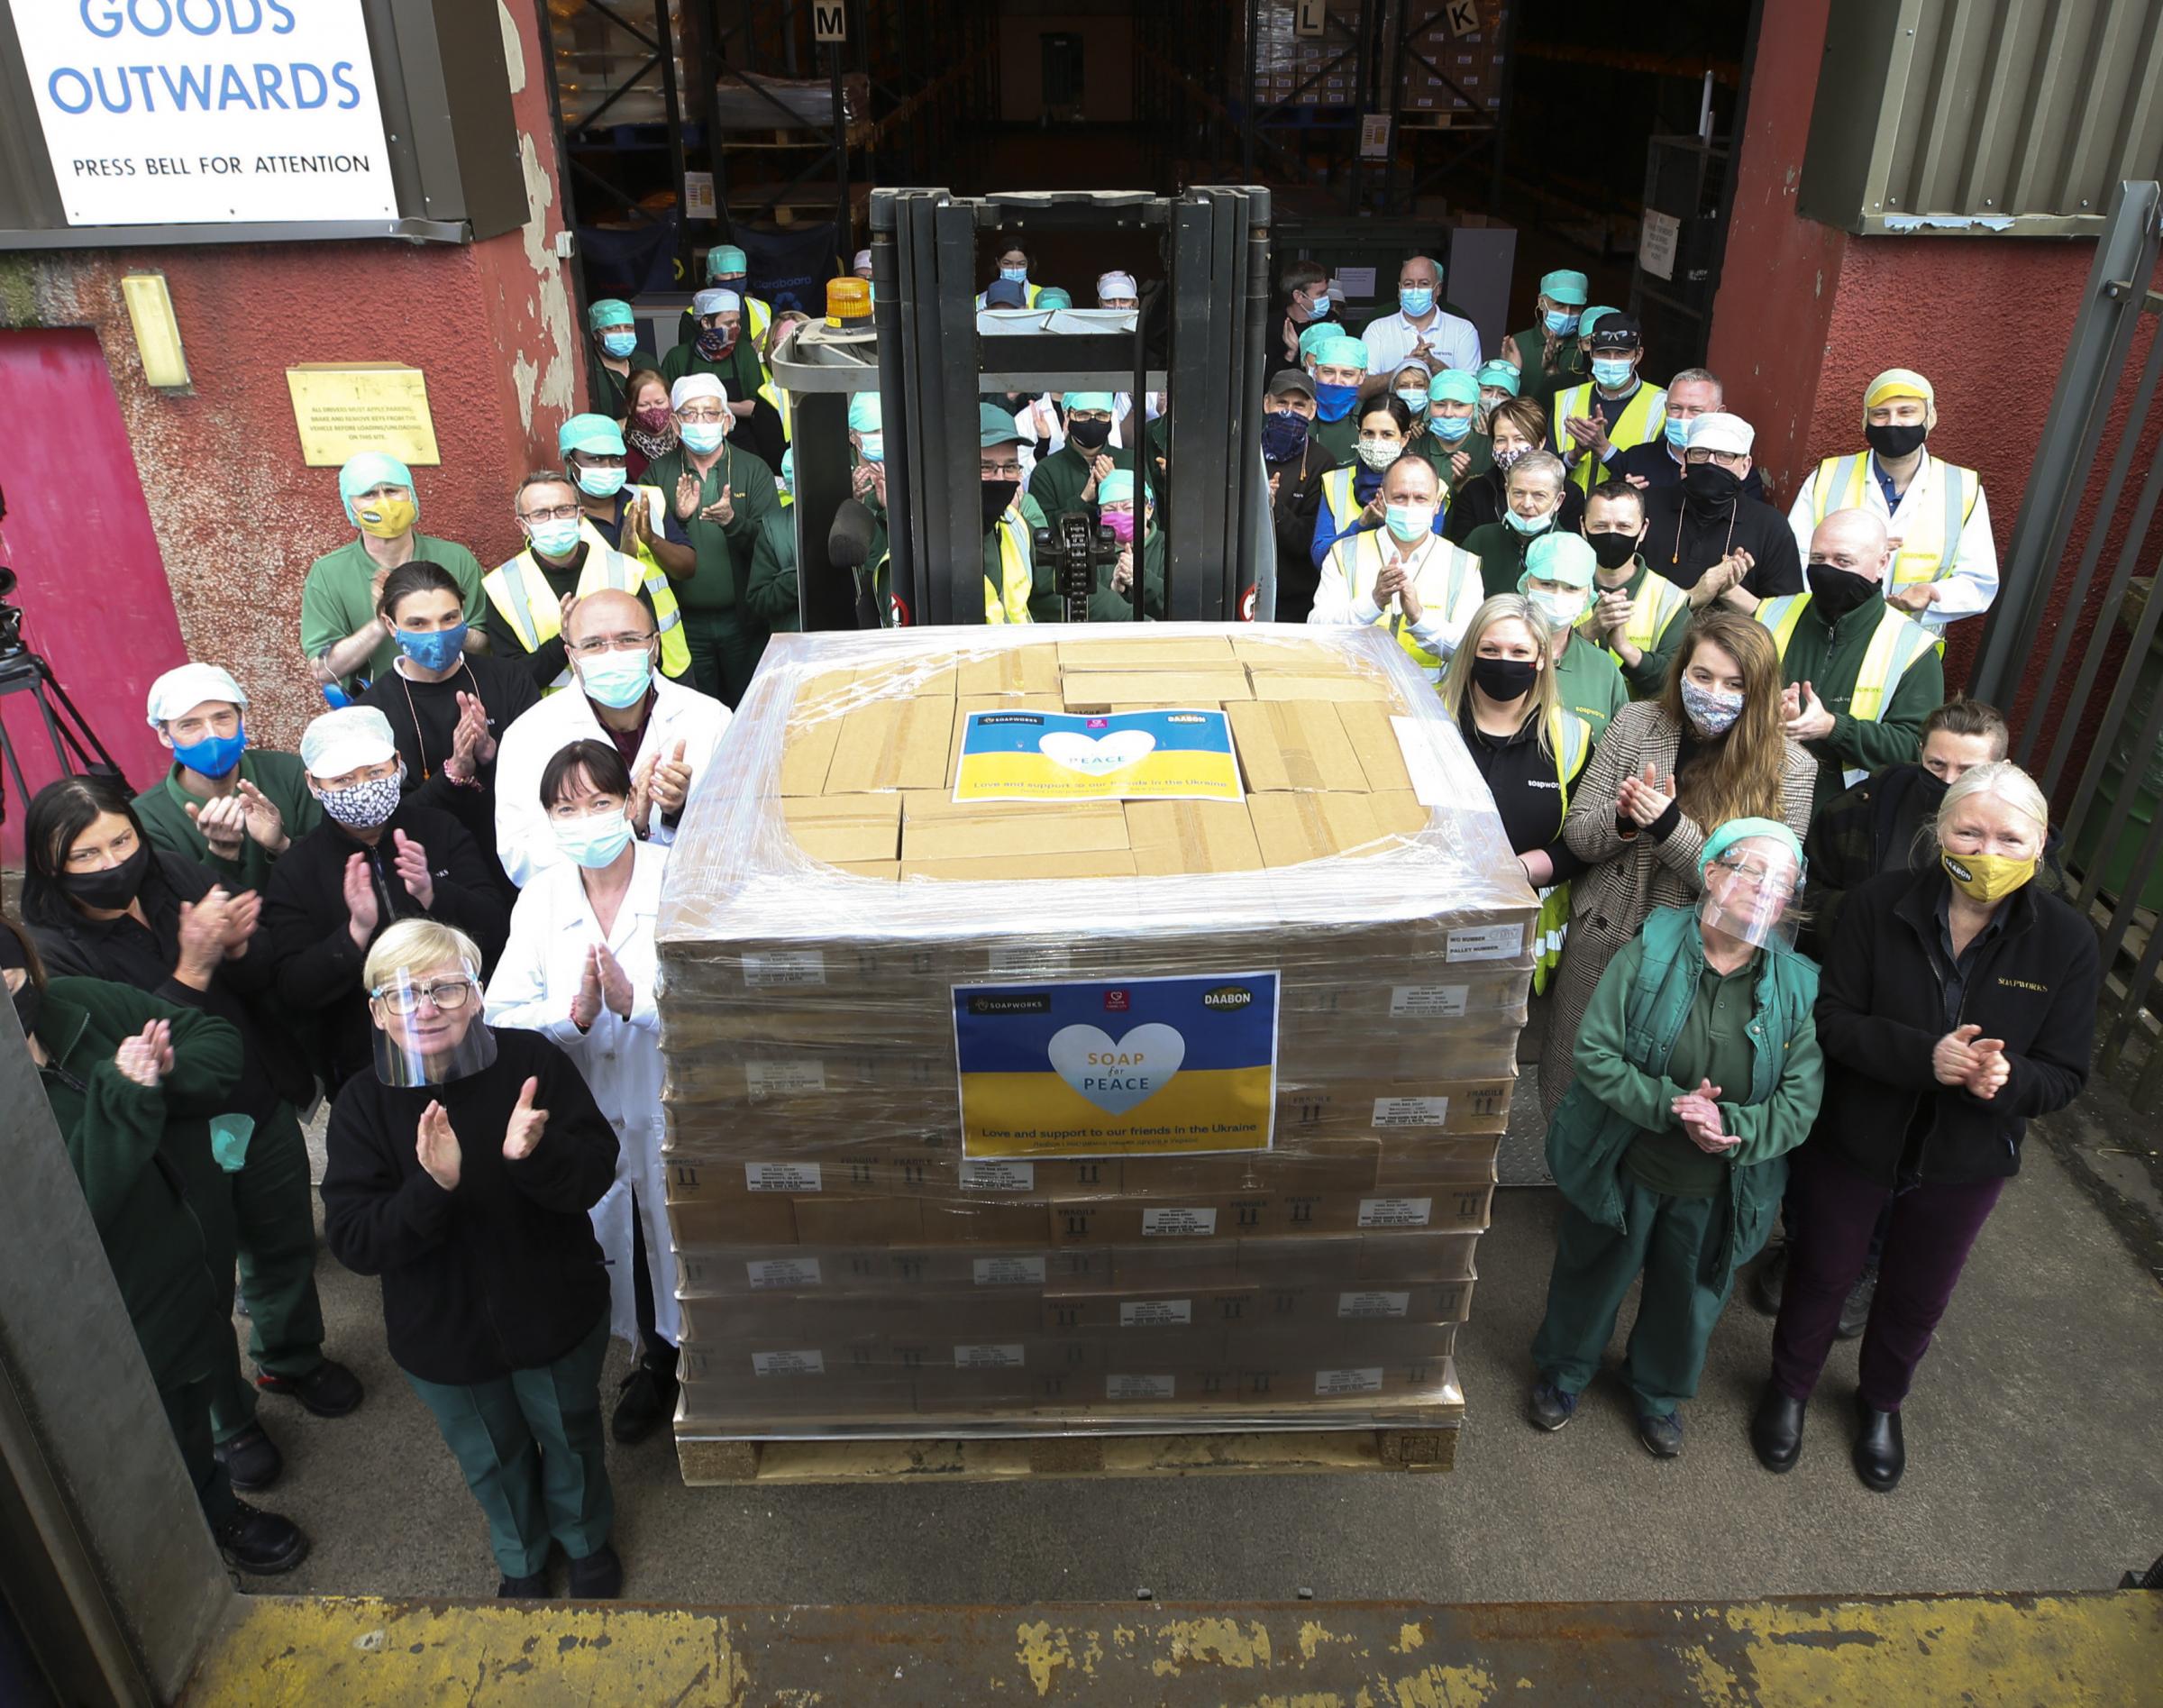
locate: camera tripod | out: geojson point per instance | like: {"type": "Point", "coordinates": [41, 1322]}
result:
{"type": "Point", "coordinates": [76, 748]}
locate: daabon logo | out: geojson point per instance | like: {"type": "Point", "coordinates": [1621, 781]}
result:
{"type": "Point", "coordinates": [1228, 996]}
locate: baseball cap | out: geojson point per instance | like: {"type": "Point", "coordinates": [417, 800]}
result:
{"type": "Point", "coordinates": [1617, 332]}
{"type": "Point", "coordinates": [995, 426]}
{"type": "Point", "coordinates": [1289, 380]}
{"type": "Point", "coordinates": [1005, 293]}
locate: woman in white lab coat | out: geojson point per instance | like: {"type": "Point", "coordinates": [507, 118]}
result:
{"type": "Point", "coordinates": [579, 967]}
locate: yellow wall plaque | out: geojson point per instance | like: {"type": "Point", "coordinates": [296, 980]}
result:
{"type": "Point", "coordinates": [343, 408]}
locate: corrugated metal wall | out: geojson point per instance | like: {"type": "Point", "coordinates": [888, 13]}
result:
{"type": "Point", "coordinates": [1982, 116]}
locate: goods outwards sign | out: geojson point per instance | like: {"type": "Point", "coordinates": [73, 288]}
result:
{"type": "Point", "coordinates": [207, 111]}
{"type": "Point", "coordinates": [1137, 1067]}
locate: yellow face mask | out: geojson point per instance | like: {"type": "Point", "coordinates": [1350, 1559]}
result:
{"type": "Point", "coordinates": [386, 518]}
{"type": "Point", "coordinates": [1987, 878]}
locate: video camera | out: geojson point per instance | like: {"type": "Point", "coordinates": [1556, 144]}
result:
{"type": "Point", "coordinates": [1073, 551]}
{"type": "Point", "coordinates": [11, 615]}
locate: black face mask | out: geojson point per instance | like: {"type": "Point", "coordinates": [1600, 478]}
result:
{"type": "Point", "coordinates": [1836, 591]}
{"type": "Point", "coordinates": [112, 888]}
{"type": "Point", "coordinates": [1710, 487]}
{"type": "Point", "coordinates": [1088, 435]}
{"type": "Point", "coordinates": [1929, 790]}
{"type": "Point", "coordinates": [1503, 679]}
{"type": "Point", "coordinates": [1896, 438]}
{"type": "Point", "coordinates": [1613, 551]}
{"type": "Point", "coordinates": [997, 496]}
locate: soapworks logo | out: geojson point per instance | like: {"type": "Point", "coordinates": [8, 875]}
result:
{"type": "Point", "coordinates": [1228, 996]}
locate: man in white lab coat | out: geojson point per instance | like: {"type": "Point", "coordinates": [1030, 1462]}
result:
{"type": "Point", "coordinates": [665, 731]}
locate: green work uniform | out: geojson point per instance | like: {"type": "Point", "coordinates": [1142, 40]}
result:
{"type": "Point", "coordinates": [1829, 657]}
{"type": "Point", "coordinates": [1340, 439]}
{"type": "Point", "coordinates": [771, 596]}
{"type": "Point", "coordinates": [1477, 447]}
{"type": "Point", "coordinates": [759, 433]}
{"type": "Point", "coordinates": [339, 596]}
{"type": "Point", "coordinates": [726, 637]}
{"type": "Point", "coordinates": [1107, 606]}
{"type": "Point", "coordinates": [1538, 381]}
{"type": "Point", "coordinates": [1648, 676]}
{"type": "Point", "coordinates": [1501, 550]}
{"type": "Point", "coordinates": [1714, 1044]}
{"type": "Point", "coordinates": [1590, 683]}
{"type": "Point", "coordinates": [607, 391]}
{"type": "Point", "coordinates": [131, 1146]}
{"type": "Point", "coordinates": [283, 782]}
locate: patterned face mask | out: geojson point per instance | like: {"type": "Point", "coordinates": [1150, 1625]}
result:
{"type": "Point", "coordinates": [364, 806]}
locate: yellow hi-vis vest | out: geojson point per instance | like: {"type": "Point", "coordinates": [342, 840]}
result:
{"type": "Point", "coordinates": [1657, 603]}
{"type": "Point", "coordinates": [1896, 643]}
{"type": "Point", "coordinates": [1447, 582]}
{"type": "Point", "coordinates": [1643, 419]}
{"type": "Point", "coordinates": [1929, 543]}
{"type": "Point", "coordinates": [1014, 572]}
{"type": "Point", "coordinates": [1571, 739]}
{"type": "Point", "coordinates": [521, 593]}
{"type": "Point", "coordinates": [1030, 292]}
{"type": "Point", "coordinates": [657, 516]}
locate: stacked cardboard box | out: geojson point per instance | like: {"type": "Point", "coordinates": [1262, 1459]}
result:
{"type": "Point", "coordinates": [846, 1262]}
{"type": "Point", "coordinates": [1451, 64]}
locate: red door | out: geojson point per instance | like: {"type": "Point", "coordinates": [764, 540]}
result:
{"type": "Point", "coordinates": [96, 603]}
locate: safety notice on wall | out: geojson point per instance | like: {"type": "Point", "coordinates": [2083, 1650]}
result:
{"type": "Point", "coordinates": [341, 409]}
{"type": "Point", "coordinates": [207, 111]}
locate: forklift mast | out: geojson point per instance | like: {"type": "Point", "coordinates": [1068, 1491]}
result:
{"type": "Point", "coordinates": [1198, 337]}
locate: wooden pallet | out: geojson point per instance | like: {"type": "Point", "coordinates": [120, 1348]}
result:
{"type": "Point", "coordinates": [707, 1463]}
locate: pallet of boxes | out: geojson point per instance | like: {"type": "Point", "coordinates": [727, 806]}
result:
{"type": "Point", "coordinates": [1072, 1039]}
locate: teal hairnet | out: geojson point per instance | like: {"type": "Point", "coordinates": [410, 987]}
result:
{"type": "Point", "coordinates": [1341, 352]}
{"type": "Point", "coordinates": [1503, 376]}
{"type": "Point", "coordinates": [610, 311]}
{"type": "Point", "coordinates": [1748, 829]}
{"type": "Point", "coordinates": [1453, 385]}
{"type": "Point", "coordinates": [866, 414]}
{"type": "Point", "coordinates": [1089, 400]}
{"type": "Point", "coordinates": [372, 468]}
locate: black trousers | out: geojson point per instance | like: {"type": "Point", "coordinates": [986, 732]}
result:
{"type": "Point", "coordinates": [658, 1354]}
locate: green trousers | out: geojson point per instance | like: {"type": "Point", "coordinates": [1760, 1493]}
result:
{"type": "Point", "coordinates": [1665, 1239]}
{"type": "Point", "coordinates": [531, 1446]}
{"type": "Point", "coordinates": [726, 648]}
{"type": "Point", "coordinates": [264, 1215]}
{"type": "Point", "coordinates": [188, 1409]}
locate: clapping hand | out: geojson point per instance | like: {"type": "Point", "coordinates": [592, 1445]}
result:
{"type": "Point", "coordinates": [224, 821]}
{"type": "Point", "coordinates": [1810, 721]}
{"type": "Point", "coordinates": [242, 913]}
{"type": "Point", "coordinates": [586, 1005]}
{"type": "Point", "coordinates": [436, 1146]}
{"type": "Point", "coordinates": [615, 983]}
{"type": "Point", "coordinates": [687, 489]}
{"type": "Point", "coordinates": [361, 907]}
{"type": "Point", "coordinates": [204, 929]}
{"type": "Point", "coordinates": [1122, 571]}
{"type": "Point", "coordinates": [1699, 1113]}
{"type": "Point", "coordinates": [1916, 597]}
{"type": "Point", "coordinates": [1964, 1057]}
{"type": "Point", "coordinates": [722, 511]}
{"type": "Point", "coordinates": [668, 781]}
{"type": "Point", "coordinates": [639, 808]}
{"type": "Point", "coordinates": [526, 1126]}
{"type": "Point", "coordinates": [471, 745]}
{"type": "Point", "coordinates": [147, 1056]}
{"type": "Point", "coordinates": [412, 864]}
{"type": "Point", "coordinates": [266, 824]}
{"type": "Point", "coordinates": [1642, 800]}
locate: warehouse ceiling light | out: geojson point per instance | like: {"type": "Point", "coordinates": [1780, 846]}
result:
{"type": "Point", "coordinates": [156, 331]}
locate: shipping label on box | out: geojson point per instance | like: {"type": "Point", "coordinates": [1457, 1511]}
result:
{"type": "Point", "coordinates": [1146, 1067]}
{"type": "Point", "coordinates": [1040, 757]}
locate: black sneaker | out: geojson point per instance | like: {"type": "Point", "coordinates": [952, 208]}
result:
{"type": "Point", "coordinates": [260, 1543]}
{"type": "Point", "coordinates": [330, 1390]}
{"type": "Point", "coordinates": [1663, 1435]}
{"type": "Point", "coordinates": [1550, 1407]}
{"type": "Point", "coordinates": [648, 1402]}
{"type": "Point", "coordinates": [1771, 1279]}
{"type": "Point", "coordinates": [1855, 1312]}
{"type": "Point", "coordinates": [524, 1589]}
{"type": "Point", "coordinates": [599, 1577]}
{"type": "Point", "coordinates": [251, 1458]}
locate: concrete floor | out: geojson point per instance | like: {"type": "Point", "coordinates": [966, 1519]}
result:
{"type": "Point", "coordinates": [2035, 1437]}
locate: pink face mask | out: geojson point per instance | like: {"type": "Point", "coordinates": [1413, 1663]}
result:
{"type": "Point", "coordinates": [1122, 523]}
{"type": "Point", "coordinates": [654, 418]}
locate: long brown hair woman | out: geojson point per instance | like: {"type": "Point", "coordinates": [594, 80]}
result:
{"type": "Point", "coordinates": [1713, 748]}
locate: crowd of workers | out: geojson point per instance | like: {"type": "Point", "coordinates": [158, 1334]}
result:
{"type": "Point", "coordinates": [1799, 936]}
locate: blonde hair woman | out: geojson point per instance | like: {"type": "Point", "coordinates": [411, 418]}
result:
{"type": "Point", "coordinates": [1957, 1000]}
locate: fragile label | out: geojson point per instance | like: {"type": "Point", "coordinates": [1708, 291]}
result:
{"type": "Point", "coordinates": [998, 1177]}
{"type": "Point", "coordinates": [1395, 1212]}
{"type": "Point", "coordinates": [1411, 1111]}
{"type": "Point", "coordinates": [767, 1273]}
{"type": "Point", "coordinates": [780, 1177]}
{"type": "Point", "coordinates": [1009, 1272]}
{"type": "Point", "coordinates": [777, 1079]}
{"type": "Point", "coordinates": [786, 966]}
{"type": "Point", "coordinates": [789, 1364]}
{"type": "Point", "coordinates": [1178, 1220]}
{"type": "Point", "coordinates": [1156, 1313]}
{"type": "Point", "coordinates": [1485, 943]}
{"type": "Point", "coordinates": [1373, 1304]}
{"type": "Point", "coordinates": [1003, 1356]}
{"type": "Point", "coordinates": [1328, 1382]}
{"type": "Point", "coordinates": [1137, 1387]}
{"type": "Point", "coordinates": [1429, 1001]}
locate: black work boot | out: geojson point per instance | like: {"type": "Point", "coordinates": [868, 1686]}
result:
{"type": "Point", "coordinates": [251, 1458]}
{"type": "Point", "coordinates": [262, 1544]}
{"type": "Point", "coordinates": [330, 1390]}
{"type": "Point", "coordinates": [599, 1577]}
{"type": "Point", "coordinates": [648, 1401]}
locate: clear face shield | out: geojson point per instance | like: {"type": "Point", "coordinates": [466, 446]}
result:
{"type": "Point", "coordinates": [1753, 893]}
{"type": "Point", "coordinates": [428, 1026]}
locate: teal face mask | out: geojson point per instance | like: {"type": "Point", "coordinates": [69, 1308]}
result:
{"type": "Point", "coordinates": [1416, 300]}
{"type": "Point", "coordinates": [702, 436]}
{"type": "Point", "coordinates": [1611, 371]}
{"type": "Point", "coordinates": [555, 539]}
{"type": "Point", "coordinates": [1408, 521]}
{"type": "Point", "coordinates": [1561, 322]}
{"type": "Point", "coordinates": [601, 484]}
{"type": "Point", "coordinates": [229, 1137]}
{"type": "Point", "coordinates": [1528, 525]}
{"type": "Point", "coordinates": [1449, 428]}
{"type": "Point", "coordinates": [1678, 432]}
{"type": "Point", "coordinates": [619, 344]}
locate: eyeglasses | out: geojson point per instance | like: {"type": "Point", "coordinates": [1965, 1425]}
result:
{"type": "Point", "coordinates": [594, 646]}
{"type": "Point", "coordinates": [446, 995]}
{"type": "Point", "coordinates": [699, 415]}
{"type": "Point", "coordinates": [1759, 872]}
{"type": "Point", "coordinates": [561, 513]}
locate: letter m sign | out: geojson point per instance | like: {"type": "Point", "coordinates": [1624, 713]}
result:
{"type": "Point", "coordinates": [829, 21]}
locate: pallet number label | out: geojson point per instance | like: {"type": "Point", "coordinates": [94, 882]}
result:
{"type": "Point", "coordinates": [778, 1079]}
{"type": "Point", "coordinates": [1485, 943]}
{"type": "Point", "coordinates": [1363, 1306]}
{"type": "Point", "coordinates": [1009, 1272]}
{"type": "Point", "coordinates": [1042, 959]}
{"type": "Point", "coordinates": [1156, 1313]}
{"type": "Point", "coordinates": [998, 1177]}
{"type": "Point", "coordinates": [1330, 1383]}
{"type": "Point", "coordinates": [1429, 1001]}
{"type": "Point", "coordinates": [768, 1273]}
{"type": "Point", "coordinates": [1138, 1387]}
{"type": "Point", "coordinates": [788, 1364]}
{"type": "Point", "coordinates": [780, 1177]}
{"type": "Point", "coordinates": [1178, 1221]}
{"type": "Point", "coordinates": [1395, 1212]}
{"type": "Point", "coordinates": [1411, 1111]}
{"type": "Point", "coordinates": [1005, 1356]}
{"type": "Point", "coordinates": [786, 966]}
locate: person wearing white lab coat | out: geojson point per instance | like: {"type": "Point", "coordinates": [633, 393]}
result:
{"type": "Point", "coordinates": [611, 641]}
{"type": "Point", "coordinates": [579, 967]}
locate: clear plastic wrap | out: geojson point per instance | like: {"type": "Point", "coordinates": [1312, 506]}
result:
{"type": "Point", "coordinates": [874, 1230]}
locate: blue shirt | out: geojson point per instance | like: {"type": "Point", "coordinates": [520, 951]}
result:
{"type": "Point", "coordinates": [1885, 485]}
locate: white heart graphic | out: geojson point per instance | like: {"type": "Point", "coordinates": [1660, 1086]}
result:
{"type": "Point", "coordinates": [1121, 1074]}
{"type": "Point", "coordinates": [1096, 757]}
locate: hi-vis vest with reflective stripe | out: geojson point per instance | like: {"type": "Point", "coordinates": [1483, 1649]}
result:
{"type": "Point", "coordinates": [1030, 291]}
{"type": "Point", "coordinates": [1896, 643]}
{"type": "Point", "coordinates": [1570, 738]}
{"type": "Point", "coordinates": [1643, 419]}
{"type": "Point", "coordinates": [1448, 584]}
{"type": "Point", "coordinates": [657, 514]}
{"type": "Point", "coordinates": [521, 593]}
{"type": "Point", "coordinates": [1657, 603]}
{"type": "Point", "coordinates": [1344, 503]}
{"type": "Point", "coordinates": [1014, 567]}
{"type": "Point", "coordinates": [1929, 543]}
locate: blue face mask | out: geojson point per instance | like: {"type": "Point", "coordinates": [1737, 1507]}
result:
{"type": "Point", "coordinates": [1528, 525]}
{"type": "Point", "coordinates": [1284, 434]}
{"type": "Point", "coordinates": [619, 344]}
{"type": "Point", "coordinates": [555, 539]}
{"type": "Point", "coordinates": [434, 650]}
{"type": "Point", "coordinates": [1408, 521]}
{"type": "Point", "coordinates": [873, 447]}
{"type": "Point", "coordinates": [1678, 431]}
{"type": "Point", "coordinates": [1561, 322]}
{"type": "Point", "coordinates": [704, 437]}
{"type": "Point", "coordinates": [594, 841]}
{"type": "Point", "coordinates": [1334, 403]}
{"type": "Point", "coordinates": [1416, 300]}
{"type": "Point", "coordinates": [1016, 275]}
{"type": "Point", "coordinates": [601, 484]}
{"type": "Point", "coordinates": [617, 680]}
{"type": "Point", "coordinates": [214, 756]}
{"type": "Point", "coordinates": [1611, 371]}
{"type": "Point", "coordinates": [1449, 428]}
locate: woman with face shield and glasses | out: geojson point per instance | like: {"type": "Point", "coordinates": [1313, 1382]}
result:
{"type": "Point", "coordinates": [461, 1171]}
{"type": "Point", "coordinates": [1697, 1072]}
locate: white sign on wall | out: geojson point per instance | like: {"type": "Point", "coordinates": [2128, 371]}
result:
{"type": "Point", "coordinates": [207, 111]}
